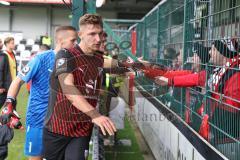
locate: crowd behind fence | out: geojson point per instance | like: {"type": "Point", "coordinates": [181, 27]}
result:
{"type": "Point", "coordinates": [200, 40]}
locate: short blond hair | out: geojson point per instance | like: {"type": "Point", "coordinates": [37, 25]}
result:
{"type": "Point", "coordinates": [8, 40]}
{"type": "Point", "coordinates": [90, 19]}
{"type": "Point", "coordinates": [65, 28]}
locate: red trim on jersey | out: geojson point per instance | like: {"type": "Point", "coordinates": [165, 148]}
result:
{"type": "Point", "coordinates": [11, 54]}
{"type": "Point", "coordinates": [66, 119]}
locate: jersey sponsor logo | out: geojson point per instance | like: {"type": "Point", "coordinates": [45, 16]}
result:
{"type": "Point", "coordinates": [61, 62]}
{"type": "Point", "coordinates": [61, 65]}
{"type": "Point", "coordinates": [89, 86]}
{"type": "Point", "coordinates": [25, 70]}
{"type": "Point", "coordinates": [90, 83]}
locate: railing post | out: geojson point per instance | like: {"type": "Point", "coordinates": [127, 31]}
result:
{"type": "Point", "coordinates": [77, 11]}
{"type": "Point", "coordinates": [79, 8]}
{"type": "Point", "coordinates": [158, 35]}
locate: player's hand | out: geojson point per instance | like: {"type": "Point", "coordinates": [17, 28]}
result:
{"type": "Point", "coordinates": [140, 59]}
{"type": "Point", "coordinates": [129, 73]}
{"type": "Point", "coordinates": [160, 80]}
{"type": "Point", "coordinates": [105, 124]}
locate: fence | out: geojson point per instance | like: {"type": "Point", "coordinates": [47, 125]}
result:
{"type": "Point", "coordinates": [199, 39]}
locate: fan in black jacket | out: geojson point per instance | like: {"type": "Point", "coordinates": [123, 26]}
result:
{"type": "Point", "coordinates": [5, 75]}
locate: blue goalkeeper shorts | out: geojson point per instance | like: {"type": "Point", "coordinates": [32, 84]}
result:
{"type": "Point", "coordinates": [33, 143]}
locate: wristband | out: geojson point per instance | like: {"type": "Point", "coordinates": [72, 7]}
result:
{"type": "Point", "coordinates": [93, 114]}
{"type": "Point", "coordinates": [11, 98]}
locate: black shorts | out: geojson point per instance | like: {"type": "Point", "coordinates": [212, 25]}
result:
{"type": "Point", "coordinates": [59, 147]}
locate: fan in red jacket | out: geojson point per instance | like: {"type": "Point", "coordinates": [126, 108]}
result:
{"type": "Point", "coordinates": [193, 99]}
{"type": "Point", "coordinates": [200, 55]}
{"type": "Point", "coordinates": [223, 83]}
{"type": "Point", "coordinates": [153, 70]}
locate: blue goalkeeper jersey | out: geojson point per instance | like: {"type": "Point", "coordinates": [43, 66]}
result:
{"type": "Point", "coordinates": [38, 71]}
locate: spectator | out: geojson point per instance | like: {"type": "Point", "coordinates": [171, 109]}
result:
{"type": "Point", "coordinates": [46, 40]}
{"type": "Point", "coordinates": [103, 44]}
{"type": "Point", "coordinates": [223, 81]}
{"type": "Point", "coordinates": [5, 72]}
{"type": "Point", "coordinates": [10, 46]}
{"type": "Point", "coordinates": [172, 98]}
{"type": "Point", "coordinates": [6, 133]}
{"type": "Point", "coordinates": [44, 47]}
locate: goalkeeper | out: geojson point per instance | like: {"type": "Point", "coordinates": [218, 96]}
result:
{"type": "Point", "coordinates": [38, 70]}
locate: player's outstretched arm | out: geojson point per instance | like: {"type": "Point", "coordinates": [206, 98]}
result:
{"type": "Point", "coordinates": [25, 75]}
{"type": "Point", "coordinates": [15, 87]}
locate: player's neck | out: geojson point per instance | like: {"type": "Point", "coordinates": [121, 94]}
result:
{"type": "Point", "coordinates": [57, 49]}
{"type": "Point", "coordinates": [9, 50]}
{"type": "Point", "coordinates": [85, 49]}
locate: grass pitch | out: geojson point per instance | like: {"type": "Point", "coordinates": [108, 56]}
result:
{"type": "Point", "coordinates": [16, 147]}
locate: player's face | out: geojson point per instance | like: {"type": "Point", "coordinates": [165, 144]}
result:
{"type": "Point", "coordinates": [179, 58]}
{"type": "Point", "coordinates": [216, 57]}
{"type": "Point", "coordinates": [196, 62]}
{"type": "Point", "coordinates": [91, 37]}
{"type": "Point", "coordinates": [70, 40]}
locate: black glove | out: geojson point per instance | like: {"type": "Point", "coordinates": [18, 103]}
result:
{"type": "Point", "coordinates": [138, 65]}
{"type": "Point", "coordinates": [5, 118]}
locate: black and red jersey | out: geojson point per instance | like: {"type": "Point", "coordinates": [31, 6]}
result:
{"type": "Point", "coordinates": [62, 117]}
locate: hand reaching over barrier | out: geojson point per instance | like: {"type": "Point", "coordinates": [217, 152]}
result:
{"type": "Point", "coordinates": [160, 80]}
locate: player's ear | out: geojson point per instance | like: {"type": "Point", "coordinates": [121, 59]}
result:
{"type": "Point", "coordinates": [57, 37]}
{"type": "Point", "coordinates": [80, 34]}
{"type": "Point", "coordinates": [58, 41]}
